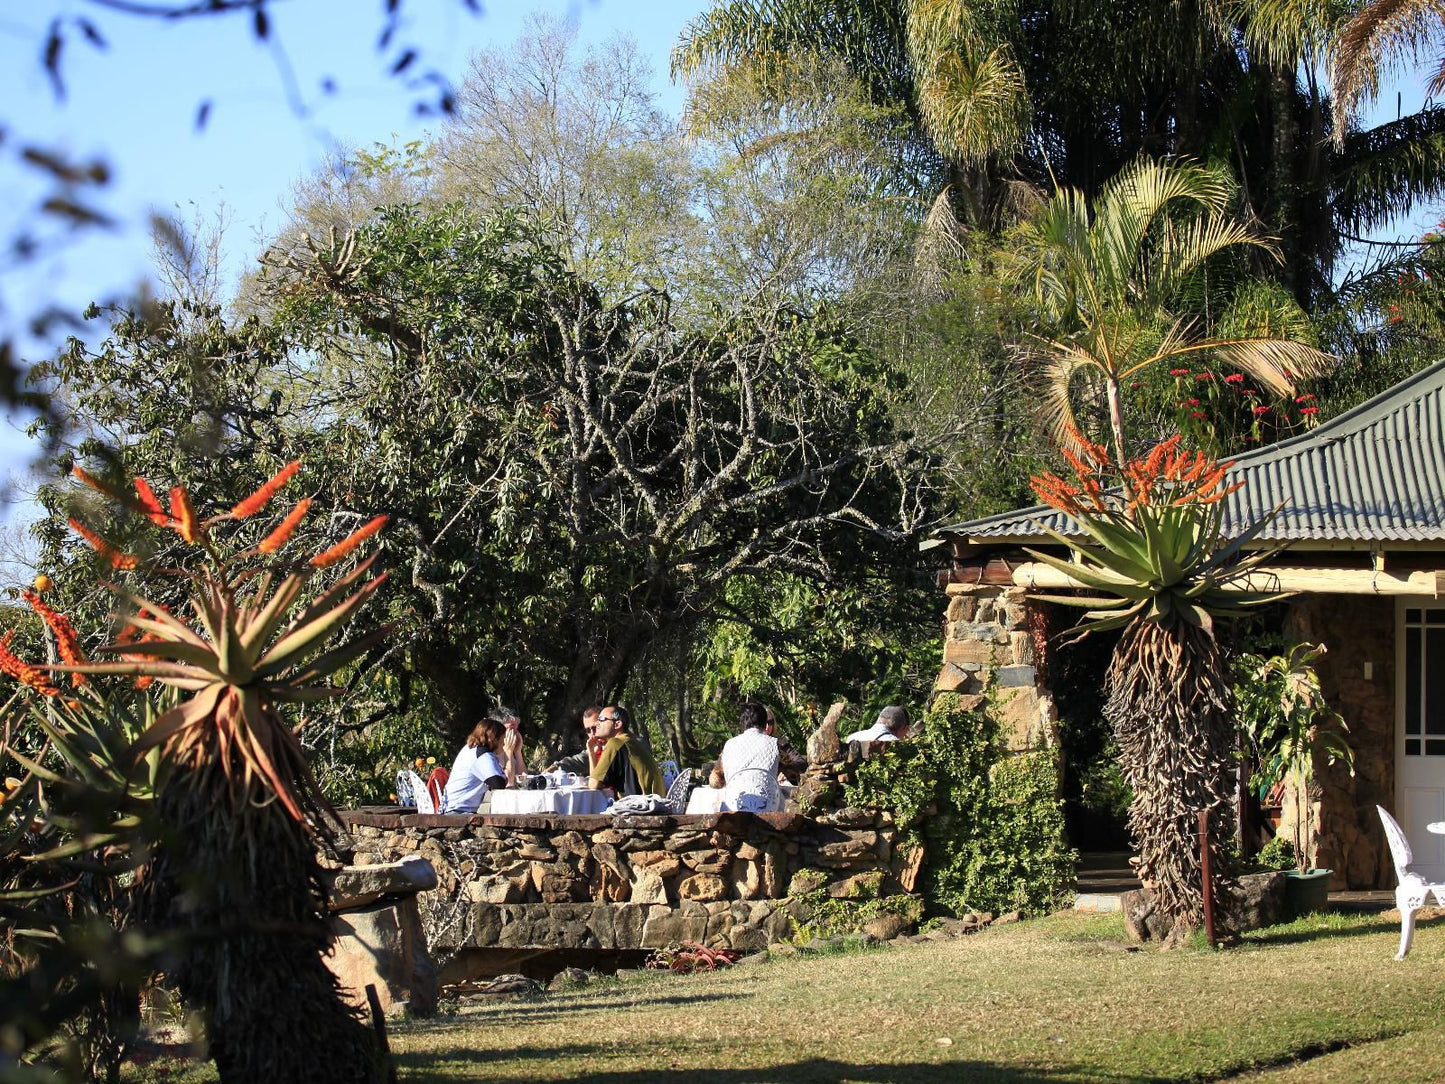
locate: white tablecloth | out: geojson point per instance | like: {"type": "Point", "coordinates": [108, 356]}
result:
{"type": "Point", "coordinates": [568, 800]}
{"type": "Point", "coordinates": [709, 799]}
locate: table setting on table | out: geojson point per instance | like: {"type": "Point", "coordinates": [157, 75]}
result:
{"type": "Point", "coordinates": [552, 792]}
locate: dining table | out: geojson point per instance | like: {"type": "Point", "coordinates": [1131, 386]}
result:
{"type": "Point", "coordinates": [570, 800]}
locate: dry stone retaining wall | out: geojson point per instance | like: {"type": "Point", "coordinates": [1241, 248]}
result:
{"type": "Point", "coordinates": [599, 882]}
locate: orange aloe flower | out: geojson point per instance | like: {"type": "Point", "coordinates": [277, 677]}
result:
{"type": "Point", "coordinates": [116, 558]}
{"type": "Point", "coordinates": [150, 505]}
{"type": "Point", "coordinates": [67, 644]}
{"type": "Point", "coordinates": [257, 501]}
{"type": "Point", "coordinates": [278, 538]}
{"type": "Point", "coordinates": [329, 557]}
{"type": "Point", "coordinates": [22, 671]}
{"type": "Point", "coordinates": [184, 515]}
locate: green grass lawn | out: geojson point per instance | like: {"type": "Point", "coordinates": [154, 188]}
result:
{"type": "Point", "coordinates": [1056, 999]}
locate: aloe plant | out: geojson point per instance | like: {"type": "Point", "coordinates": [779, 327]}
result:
{"type": "Point", "coordinates": [1164, 571]}
{"type": "Point", "coordinates": [241, 818]}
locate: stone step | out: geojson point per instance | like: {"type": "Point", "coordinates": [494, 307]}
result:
{"type": "Point", "coordinates": [1096, 901]}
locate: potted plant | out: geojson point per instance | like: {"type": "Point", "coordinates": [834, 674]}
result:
{"type": "Point", "coordinates": [1285, 724]}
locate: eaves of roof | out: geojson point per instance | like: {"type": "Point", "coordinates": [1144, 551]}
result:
{"type": "Point", "coordinates": [1374, 475]}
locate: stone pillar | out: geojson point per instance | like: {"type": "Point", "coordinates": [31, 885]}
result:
{"type": "Point", "coordinates": [988, 634]}
{"type": "Point", "coordinates": [1347, 838]}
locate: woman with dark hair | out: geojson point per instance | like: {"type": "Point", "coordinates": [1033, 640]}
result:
{"type": "Point", "coordinates": [478, 769]}
{"type": "Point", "coordinates": [750, 765]}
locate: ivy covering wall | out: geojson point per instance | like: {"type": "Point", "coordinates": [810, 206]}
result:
{"type": "Point", "coordinates": [991, 822]}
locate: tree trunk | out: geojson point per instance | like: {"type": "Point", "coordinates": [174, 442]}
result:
{"type": "Point", "coordinates": [240, 885]}
{"type": "Point", "coordinates": [1168, 702]}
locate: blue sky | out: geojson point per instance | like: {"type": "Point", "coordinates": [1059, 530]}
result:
{"type": "Point", "coordinates": [135, 103]}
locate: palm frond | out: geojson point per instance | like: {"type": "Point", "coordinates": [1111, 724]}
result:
{"type": "Point", "coordinates": [1382, 31]}
{"type": "Point", "coordinates": [1390, 169]}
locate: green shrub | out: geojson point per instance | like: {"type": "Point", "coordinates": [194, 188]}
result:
{"type": "Point", "coordinates": [991, 823]}
{"type": "Point", "coordinates": [1277, 854]}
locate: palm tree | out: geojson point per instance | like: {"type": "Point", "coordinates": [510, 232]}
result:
{"type": "Point", "coordinates": [1110, 288]}
{"type": "Point", "coordinates": [1011, 97]}
{"type": "Point", "coordinates": [1164, 574]}
{"type": "Point", "coordinates": [241, 817]}
{"type": "Point", "coordinates": [1380, 32]}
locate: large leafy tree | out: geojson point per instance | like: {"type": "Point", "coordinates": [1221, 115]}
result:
{"type": "Point", "coordinates": [570, 478]}
{"type": "Point", "coordinates": [1004, 95]}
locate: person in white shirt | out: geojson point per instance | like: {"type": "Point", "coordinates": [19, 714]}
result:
{"type": "Point", "coordinates": [750, 766]}
{"type": "Point", "coordinates": [478, 769]}
{"type": "Point", "coordinates": [892, 725]}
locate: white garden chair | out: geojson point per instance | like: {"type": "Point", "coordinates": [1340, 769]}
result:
{"type": "Point", "coordinates": [1413, 890]}
{"type": "Point", "coordinates": [422, 796]}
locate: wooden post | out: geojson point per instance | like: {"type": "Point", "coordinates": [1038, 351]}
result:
{"type": "Point", "coordinates": [1205, 876]}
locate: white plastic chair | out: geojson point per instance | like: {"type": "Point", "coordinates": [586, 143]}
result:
{"type": "Point", "coordinates": [405, 795]}
{"type": "Point", "coordinates": [1413, 890]}
{"type": "Point", "coordinates": [677, 791]}
{"type": "Point", "coordinates": [419, 791]}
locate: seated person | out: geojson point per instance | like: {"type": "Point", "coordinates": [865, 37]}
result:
{"type": "Point", "coordinates": [478, 769]}
{"type": "Point", "coordinates": [580, 763]}
{"type": "Point", "coordinates": [791, 763]}
{"type": "Point", "coordinates": [715, 777]}
{"type": "Point", "coordinates": [892, 725]}
{"type": "Point", "coordinates": [511, 752]}
{"type": "Point", "coordinates": [750, 765]}
{"type": "Point", "coordinates": [624, 767]}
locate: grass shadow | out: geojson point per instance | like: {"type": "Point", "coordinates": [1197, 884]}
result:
{"type": "Point", "coordinates": [435, 1068]}
{"type": "Point", "coordinates": [1330, 924]}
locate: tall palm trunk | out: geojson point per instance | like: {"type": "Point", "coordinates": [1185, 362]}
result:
{"type": "Point", "coordinates": [1168, 702]}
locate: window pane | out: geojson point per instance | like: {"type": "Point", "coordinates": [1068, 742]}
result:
{"type": "Point", "coordinates": [1412, 747]}
{"type": "Point", "coordinates": [1435, 617]}
{"type": "Point", "coordinates": [1412, 616]}
{"type": "Point", "coordinates": [1412, 681]}
{"type": "Point", "coordinates": [1435, 747]}
{"type": "Point", "coordinates": [1434, 662]}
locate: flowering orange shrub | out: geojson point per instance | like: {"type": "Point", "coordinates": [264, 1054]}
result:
{"type": "Point", "coordinates": [143, 627]}
{"type": "Point", "coordinates": [1166, 475]}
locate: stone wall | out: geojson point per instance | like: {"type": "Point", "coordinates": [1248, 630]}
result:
{"type": "Point", "coordinates": [619, 883]}
{"type": "Point", "coordinates": [1355, 630]}
{"type": "Point", "coordinates": [989, 633]}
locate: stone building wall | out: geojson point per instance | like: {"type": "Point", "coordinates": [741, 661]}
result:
{"type": "Point", "coordinates": [1356, 630]}
{"type": "Point", "coordinates": [989, 631]}
{"type": "Point", "coordinates": [726, 880]}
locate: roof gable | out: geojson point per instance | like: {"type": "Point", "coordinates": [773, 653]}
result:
{"type": "Point", "coordinates": [1374, 474]}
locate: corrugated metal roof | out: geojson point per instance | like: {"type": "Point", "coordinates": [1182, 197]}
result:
{"type": "Point", "coordinates": [1374, 474]}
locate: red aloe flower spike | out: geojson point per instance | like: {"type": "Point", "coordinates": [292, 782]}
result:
{"type": "Point", "coordinates": [22, 671]}
{"type": "Point", "coordinates": [329, 557]}
{"type": "Point", "coordinates": [116, 558]}
{"type": "Point", "coordinates": [67, 644]}
{"type": "Point", "coordinates": [184, 515]}
{"type": "Point", "coordinates": [1081, 469]}
{"type": "Point", "coordinates": [278, 538]}
{"type": "Point", "coordinates": [258, 500]}
{"type": "Point", "coordinates": [150, 505]}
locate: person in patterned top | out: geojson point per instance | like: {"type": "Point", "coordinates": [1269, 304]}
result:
{"type": "Point", "coordinates": [750, 765]}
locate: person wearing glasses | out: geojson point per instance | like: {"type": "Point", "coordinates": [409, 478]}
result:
{"type": "Point", "coordinates": [624, 766]}
{"type": "Point", "coordinates": [581, 763]}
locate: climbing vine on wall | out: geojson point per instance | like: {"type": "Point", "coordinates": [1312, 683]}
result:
{"type": "Point", "coordinates": [991, 823]}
